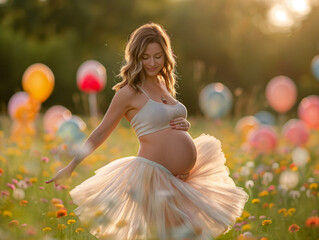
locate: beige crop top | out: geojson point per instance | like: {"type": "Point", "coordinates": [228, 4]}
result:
{"type": "Point", "coordinates": [155, 116]}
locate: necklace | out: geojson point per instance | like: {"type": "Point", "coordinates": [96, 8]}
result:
{"type": "Point", "coordinates": [164, 100]}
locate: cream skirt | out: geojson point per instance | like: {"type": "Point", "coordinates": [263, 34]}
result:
{"type": "Point", "coordinates": [136, 198]}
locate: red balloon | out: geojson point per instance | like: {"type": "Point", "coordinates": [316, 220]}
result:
{"type": "Point", "coordinates": [295, 132]}
{"type": "Point", "coordinates": [308, 111]}
{"type": "Point", "coordinates": [281, 93]}
{"type": "Point", "coordinates": [90, 83]}
{"type": "Point", "coordinates": [263, 139]}
{"type": "Point", "coordinates": [91, 76]}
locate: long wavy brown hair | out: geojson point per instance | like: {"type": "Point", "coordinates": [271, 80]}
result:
{"type": "Point", "coordinates": [132, 71]}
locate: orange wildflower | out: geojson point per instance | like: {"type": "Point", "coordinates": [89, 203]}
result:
{"type": "Point", "coordinates": [23, 202]}
{"type": "Point", "coordinates": [312, 221]}
{"type": "Point", "coordinates": [13, 223]}
{"type": "Point", "coordinates": [61, 213]}
{"type": "Point", "coordinates": [293, 228]}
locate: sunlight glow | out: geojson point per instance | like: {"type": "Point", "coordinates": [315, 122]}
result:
{"type": "Point", "coordinates": [279, 16]}
{"type": "Point", "coordinates": [301, 7]}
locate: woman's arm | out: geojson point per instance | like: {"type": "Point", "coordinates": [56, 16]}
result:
{"type": "Point", "coordinates": [120, 104]}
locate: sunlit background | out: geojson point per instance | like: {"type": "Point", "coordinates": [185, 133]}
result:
{"type": "Point", "coordinates": [242, 44]}
{"type": "Point", "coordinates": [248, 73]}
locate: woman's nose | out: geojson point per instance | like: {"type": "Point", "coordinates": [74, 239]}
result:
{"type": "Point", "coordinates": [152, 61]}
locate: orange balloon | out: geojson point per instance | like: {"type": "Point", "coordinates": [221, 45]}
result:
{"type": "Point", "coordinates": [245, 125]}
{"type": "Point", "coordinates": [38, 81]}
{"type": "Point", "coordinates": [27, 111]}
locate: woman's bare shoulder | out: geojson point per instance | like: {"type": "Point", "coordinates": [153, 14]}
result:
{"type": "Point", "coordinates": [126, 93]}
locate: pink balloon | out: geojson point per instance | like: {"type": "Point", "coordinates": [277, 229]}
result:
{"type": "Point", "coordinates": [17, 100]}
{"type": "Point", "coordinates": [263, 139]}
{"type": "Point", "coordinates": [295, 132]}
{"type": "Point", "coordinates": [308, 111]}
{"type": "Point", "coordinates": [281, 93]}
{"type": "Point", "coordinates": [54, 117]}
{"type": "Point", "coordinates": [91, 76]}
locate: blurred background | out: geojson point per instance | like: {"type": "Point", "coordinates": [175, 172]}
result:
{"type": "Point", "coordinates": [242, 44]}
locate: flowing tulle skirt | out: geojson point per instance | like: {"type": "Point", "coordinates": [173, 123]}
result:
{"type": "Point", "coordinates": [136, 198]}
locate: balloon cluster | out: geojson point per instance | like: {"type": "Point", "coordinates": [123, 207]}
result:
{"type": "Point", "coordinates": [59, 121]}
{"type": "Point", "coordinates": [281, 94]}
{"type": "Point", "coordinates": [23, 107]}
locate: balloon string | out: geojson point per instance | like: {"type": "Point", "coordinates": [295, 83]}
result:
{"type": "Point", "coordinates": [93, 105]}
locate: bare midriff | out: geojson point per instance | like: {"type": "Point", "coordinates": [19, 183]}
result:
{"type": "Point", "coordinates": [174, 149]}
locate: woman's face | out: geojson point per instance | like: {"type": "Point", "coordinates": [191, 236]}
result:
{"type": "Point", "coordinates": [153, 59]}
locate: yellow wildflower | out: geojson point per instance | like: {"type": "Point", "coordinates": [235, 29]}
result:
{"type": "Point", "coordinates": [79, 230]}
{"type": "Point", "coordinates": [46, 229]}
{"type": "Point", "coordinates": [291, 211]}
{"type": "Point", "coordinates": [246, 227]}
{"type": "Point", "coordinates": [59, 205]}
{"type": "Point", "coordinates": [33, 180]}
{"type": "Point", "coordinates": [313, 186]}
{"type": "Point", "coordinates": [255, 200]}
{"type": "Point", "coordinates": [263, 193]}
{"type": "Point", "coordinates": [45, 174]}
{"type": "Point", "coordinates": [71, 221]}
{"type": "Point", "coordinates": [7, 213]}
{"type": "Point", "coordinates": [245, 214]}
{"type": "Point", "coordinates": [19, 176]}
{"type": "Point", "coordinates": [282, 211]}
{"type": "Point", "coordinates": [61, 226]}
{"type": "Point", "coordinates": [266, 222]}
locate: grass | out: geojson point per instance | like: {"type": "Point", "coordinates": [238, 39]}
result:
{"type": "Point", "coordinates": [29, 207]}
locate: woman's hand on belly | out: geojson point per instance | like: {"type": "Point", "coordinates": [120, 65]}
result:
{"type": "Point", "coordinates": [180, 124]}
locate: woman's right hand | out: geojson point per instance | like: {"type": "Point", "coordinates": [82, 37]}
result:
{"type": "Point", "coordinates": [61, 175]}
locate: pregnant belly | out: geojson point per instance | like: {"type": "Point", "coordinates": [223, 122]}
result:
{"type": "Point", "coordinates": [174, 149]}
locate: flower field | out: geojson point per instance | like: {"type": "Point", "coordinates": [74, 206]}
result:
{"type": "Point", "coordinates": [283, 193]}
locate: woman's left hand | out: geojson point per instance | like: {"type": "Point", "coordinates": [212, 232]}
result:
{"type": "Point", "coordinates": [180, 124]}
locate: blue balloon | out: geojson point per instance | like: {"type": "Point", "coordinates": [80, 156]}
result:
{"type": "Point", "coordinates": [315, 66]}
{"type": "Point", "coordinates": [265, 117]}
{"type": "Point", "coordinates": [215, 100]}
{"type": "Point", "coordinates": [70, 132]}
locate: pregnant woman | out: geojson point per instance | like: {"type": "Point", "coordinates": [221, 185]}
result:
{"type": "Point", "coordinates": [176, 187]}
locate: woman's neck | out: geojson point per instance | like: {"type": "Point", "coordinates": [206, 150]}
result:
{"type": "Point", "coordinates": [154, 82]}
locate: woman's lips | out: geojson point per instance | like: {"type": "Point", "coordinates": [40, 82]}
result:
{"type": "Point", "coordinates": [151, 69]}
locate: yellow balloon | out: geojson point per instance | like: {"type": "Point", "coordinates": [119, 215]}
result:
{"type": "Point", "coordinates": [38, 81]}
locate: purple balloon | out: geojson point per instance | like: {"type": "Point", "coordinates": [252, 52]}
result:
{"type": "Point", "coordinates": [17, 100]}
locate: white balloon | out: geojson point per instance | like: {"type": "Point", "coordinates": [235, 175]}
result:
{"type": "Point", "coordinates": [288, 179]}
{"type": "Point", "coordinates": [300, 156]}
